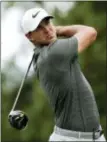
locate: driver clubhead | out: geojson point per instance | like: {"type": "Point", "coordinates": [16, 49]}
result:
{"type": "Point", "coordinates": [18, 119]}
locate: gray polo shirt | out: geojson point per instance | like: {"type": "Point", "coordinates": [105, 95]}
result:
{"type": "Point", "coordinates": [69, 93]}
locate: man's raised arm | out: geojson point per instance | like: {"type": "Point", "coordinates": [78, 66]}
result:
{"type": "Point", "coordinates": [84, 34]}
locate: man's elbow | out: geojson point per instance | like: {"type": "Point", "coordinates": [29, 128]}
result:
{"type": "Point", "coordinates": [93, 33]}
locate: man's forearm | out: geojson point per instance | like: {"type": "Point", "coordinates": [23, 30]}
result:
{"type": "Point", "coordinates": [70, 30]}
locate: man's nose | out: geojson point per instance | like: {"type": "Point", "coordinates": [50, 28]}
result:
{"type": "Point", "coordinates": [46, 29]}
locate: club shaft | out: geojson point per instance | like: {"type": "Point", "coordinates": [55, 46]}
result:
{"type": "Point", "coordinates": [22, 83]}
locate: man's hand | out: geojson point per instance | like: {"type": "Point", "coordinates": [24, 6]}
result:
{"type": "Point", "coordinates": [84, 34]}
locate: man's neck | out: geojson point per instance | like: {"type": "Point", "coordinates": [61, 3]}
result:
{"type": "Point", "coordinates": [41, 45]}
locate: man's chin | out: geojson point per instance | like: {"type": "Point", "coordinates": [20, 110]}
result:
{"type": "Point", "coordinates": [53, 39]}
{"type": "Point", "coordinates": [49, 41]}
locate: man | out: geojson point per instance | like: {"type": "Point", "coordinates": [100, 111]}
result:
{"type": "Point", "coordinates": [58, 70]}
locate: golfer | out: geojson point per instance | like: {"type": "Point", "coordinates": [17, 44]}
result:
{"type": "Point", "coordinates": [58, 70]}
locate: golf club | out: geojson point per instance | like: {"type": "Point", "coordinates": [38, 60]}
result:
{"type": "Point", "coordinates": [17, 118]}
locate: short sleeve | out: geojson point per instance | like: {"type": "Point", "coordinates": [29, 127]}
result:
{"type": "Point", "coordinates": [66, 48]}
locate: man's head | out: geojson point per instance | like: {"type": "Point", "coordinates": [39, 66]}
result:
{"type": "Point", "coordinates": [37, 26]}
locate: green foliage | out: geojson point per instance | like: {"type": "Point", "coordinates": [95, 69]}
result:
{"type": "Point", "coordinates": [33, 99]}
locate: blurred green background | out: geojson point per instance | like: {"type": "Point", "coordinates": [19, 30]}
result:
{"type": "Point", "coordinates": [33, 99]}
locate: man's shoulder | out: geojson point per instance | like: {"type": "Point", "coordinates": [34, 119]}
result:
{"type": "Point", "coordinates": [65, 41]}
{"type": "Point", "coordinates": [58, 44]}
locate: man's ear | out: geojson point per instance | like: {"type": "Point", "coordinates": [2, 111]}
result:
{"type": "Point", "coordinates": [28, 35]}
